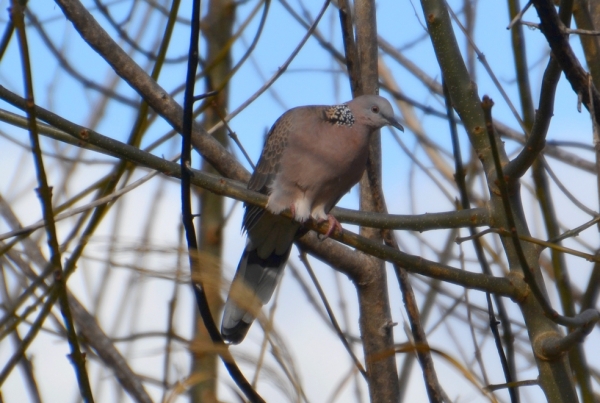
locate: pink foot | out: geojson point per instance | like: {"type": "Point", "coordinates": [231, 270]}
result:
{"type": "Point", "coordinates": [333, 225]}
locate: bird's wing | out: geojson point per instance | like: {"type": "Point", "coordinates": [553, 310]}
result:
{"type": "Point", "coordinates": [270, 239]}
{"type": "Point", "coordinates": [268, 166]}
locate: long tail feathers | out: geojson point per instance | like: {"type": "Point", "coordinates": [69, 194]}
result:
{"type": "Point", "coordinates": [253, 285]}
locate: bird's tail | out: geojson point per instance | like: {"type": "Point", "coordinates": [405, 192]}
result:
{"type": "Point", "coordinates": [253, 285]}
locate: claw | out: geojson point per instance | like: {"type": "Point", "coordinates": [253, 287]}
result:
{"type": "Point", "coordinates": [333, 226]}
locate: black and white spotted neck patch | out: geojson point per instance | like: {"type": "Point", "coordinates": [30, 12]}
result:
{"type": "Point", "coordinates": [339, 115]}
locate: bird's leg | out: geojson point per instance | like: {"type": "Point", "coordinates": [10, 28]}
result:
{"type": "Point", "coordinates": [293, 211]}
{"type": "Point", "coordinates": [334, 225]}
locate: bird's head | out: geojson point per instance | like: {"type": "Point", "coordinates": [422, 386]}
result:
{"type": "Point", "coordinates": [374, 112]}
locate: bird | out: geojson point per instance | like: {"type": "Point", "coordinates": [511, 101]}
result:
{"type": "Point", "coordinates": [313, 155]}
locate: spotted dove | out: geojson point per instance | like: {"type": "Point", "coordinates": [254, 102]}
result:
{"type": "Point", "coordinates": [312, 157]}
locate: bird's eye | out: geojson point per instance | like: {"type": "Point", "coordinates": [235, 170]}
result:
{"type": "Point", "coordinates": [375, 109]}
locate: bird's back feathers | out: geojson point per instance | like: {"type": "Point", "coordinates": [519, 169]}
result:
{"type": "Point", "coordinates": [312, 157]}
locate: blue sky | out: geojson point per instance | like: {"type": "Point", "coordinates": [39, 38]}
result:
{"type": "Point", "coordinates": [308, 80]}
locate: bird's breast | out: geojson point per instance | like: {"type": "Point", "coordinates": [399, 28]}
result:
{"type": "Point", "coordinates": [334, 158]}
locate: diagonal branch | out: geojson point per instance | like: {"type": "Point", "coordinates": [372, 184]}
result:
{"type": "Point", "coordinates": [86, 138]}
{"type": "Point", "coordinates": [45, 194]}
{"type": "Point", "coordinates": [555, 32]}
{"type": "Point", "coordinates": [238, 190]}
{"type": "Point", "coordinates": [153, 94]}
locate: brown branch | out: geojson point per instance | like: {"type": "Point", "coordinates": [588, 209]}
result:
{"type": "Point", "coordinates": [516, 384]}
{"type": "Point", "coordinates": [576, 321]}
{"type": "Point", "coordinates": [332, 318]}
{"type": "Point", "coordinates": [432, 384]}
{"type": "Point", "coordinates": [554, 31]}
{"type": "Point", "coordinates": [88, 327]}
{"type": "Point", "coordinates": [139, 80]}
{"type": "Point", "coordinates": [95, 337]}
{"type": "Point", "coordinates": [565, 30]}
{"type": "Point", "coordinates": [375, 314]}
{"type": "Point", "coordinates": [45, 195]}
{"type": "Point", "coordinates": [554, 346]}
{"type": "Point", "coordinates": [351, 59]}
{"type": "Point", "coordinates": [536, 141]}
{"type": "Point", "coordinates": [554, 375]}
{"type": "Point", "coordinates": [508, 364]}
{"type": "Point", "coordinates": [188, 218]}
{"type": "Point", "coordinates": [70, 70]}
{"type": "Point", "coordinates": [237, 190]}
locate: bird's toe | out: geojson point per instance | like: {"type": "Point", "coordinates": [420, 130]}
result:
{"type": "Point", "coordinates": [334, 225]}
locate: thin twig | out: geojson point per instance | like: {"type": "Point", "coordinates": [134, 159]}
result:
{"type": "Point", "coordinates": [279, 72]}
{"type": "Point", "coordinates": [577, 321]}
{"type": "Point", "coordinates": [564, 29]}
{"type": "Point", "coordinates": [575, 231]}
{"type": "Point", "coordinates": [45, 195]}
{"type": "Point", "coordinates": [518, 17]}
{"type": "Point", "coordinates": [233, 136]}
{"type": "Point", "coordinates": [508, 366]}
{"type": "Point", "coordinates": [334, 321]}
{"type": "Point", "coordinates": [188, 219]}
{"type": "Point", "coordinates": [98, 202]}
{"type": "Point", "coordinates": [516, 384]}
{"type": "Point", "coordinates": [481, 57]}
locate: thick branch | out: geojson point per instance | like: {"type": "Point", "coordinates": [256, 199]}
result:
{"type": "Point", "coordinates": [552, 346]}
{"type": "Point", "coordinates": [554, 377]}
{"type": "Point", "coordinates": [87, 138]}
{"type": "Point", "coordinates": [238, 190]}
{"type": "Point", "coordinates": [154, 94]}
{"type": "Point", "coordinates": [537, 139]}
{"type": "Point", "coordinates": [554, 31]}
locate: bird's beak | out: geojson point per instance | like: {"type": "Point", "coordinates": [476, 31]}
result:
{"type": "Point", "coordinates": [394, 122]}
